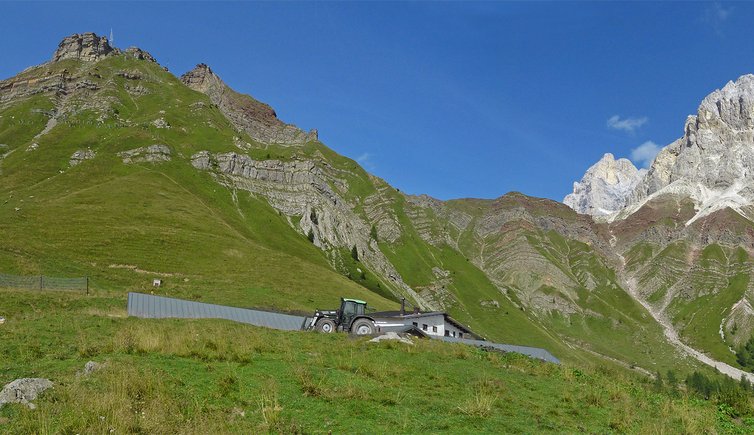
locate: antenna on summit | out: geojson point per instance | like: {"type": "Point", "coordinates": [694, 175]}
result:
{"type": "Point", "coordinates": [112, 39]}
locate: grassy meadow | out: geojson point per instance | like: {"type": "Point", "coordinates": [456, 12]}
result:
{"type": "Point", "coordinates": [211, 376]}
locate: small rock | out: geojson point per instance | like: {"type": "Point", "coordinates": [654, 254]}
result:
{"type": "Point", "coordinates": [161, 123]}
{"type": "Point", "coordinates": [490, 303]}
{"type": "Point", "coordinates": [81, 155]}
{"type": "Point", "coordinates": [140, 54]}
{"type": "Point", "coordinates": [33, 147]}
{"type": "Point", "coordinates": [129, 75]}
{"type": "Point", "coordinates": [2, 320]}
{"type": "Point", "coordinates": [91, 367]}
{"type": "Point", "coordinates": [391, 336]}
{"type": "Point", "coordinates": [153, 154]}
{"type": "Point", "coordinates": [23, 391]}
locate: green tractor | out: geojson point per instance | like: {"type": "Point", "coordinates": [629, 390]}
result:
{"type": "Point", "coordinates": [351, 317]}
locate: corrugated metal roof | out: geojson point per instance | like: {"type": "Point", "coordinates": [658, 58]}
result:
{"type": "Point", "coordinates": [157, 307]}
{"type": "Point", "coordinates": [533, 352]}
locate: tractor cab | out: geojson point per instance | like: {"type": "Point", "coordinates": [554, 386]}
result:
{"type": "Point", "coordinates": [349, 309]}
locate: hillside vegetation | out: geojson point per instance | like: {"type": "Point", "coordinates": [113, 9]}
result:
{"type": "Point", "coordinates": [212, 376]}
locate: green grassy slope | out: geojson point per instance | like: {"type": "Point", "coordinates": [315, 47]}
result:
{"type": "Point", "coordinates": [562, 285]}
{"type": "Point", "coordinates": [699, 286]}
{"type": "Point", "coordinates": [124, 224]}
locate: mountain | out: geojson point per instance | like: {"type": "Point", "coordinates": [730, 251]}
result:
{"type": "Point", "coordinates": [713, 160]}
{"type": "Point", "coordinates": [605, 188]}
{"type": "Point", "coordinates": [114, 168]}
{"type": "Point", "coordinates": [685, 236]}
{"type": "Point", "coordinates": [710, 164]}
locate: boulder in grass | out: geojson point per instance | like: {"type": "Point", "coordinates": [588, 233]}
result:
{"type": "Point", "coordinates": [390, 336]}
{"type": "Point", "coordinates": [23, 391]}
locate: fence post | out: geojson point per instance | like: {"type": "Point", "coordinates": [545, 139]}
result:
{"type": "Point", "coordinates": [87, 285]}
{"type": "Point", "coordinates": [41, 284]}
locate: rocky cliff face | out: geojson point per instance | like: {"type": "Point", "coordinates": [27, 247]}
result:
{"type": "Point", "coordinates": [314, 191]}
{"type": "Point", "coordinates": [86, 46]}
{"type": "Point", "coordinates": [605, 187]}
{"type": "Point", "coordinates": [712, 162]}
{"type": "Point", "coordinates": [247, 114]}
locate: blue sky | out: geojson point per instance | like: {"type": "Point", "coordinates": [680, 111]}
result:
{"type": "Point", "coordinates": [450, 99]}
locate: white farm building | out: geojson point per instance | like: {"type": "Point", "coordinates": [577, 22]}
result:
{"type": "Point", "coordinates": [434, 323]}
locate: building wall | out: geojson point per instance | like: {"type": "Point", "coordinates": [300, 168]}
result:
{"type": "Point", "coordinates": [435, 325]}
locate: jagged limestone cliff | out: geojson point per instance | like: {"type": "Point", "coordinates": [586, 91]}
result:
{"type": "Point", "coordinates": [605, 188]}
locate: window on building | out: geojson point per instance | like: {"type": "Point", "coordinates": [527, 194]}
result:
{"type": "Point", "coordinates": [416, 324]}
{"type": "Point", "coordinates": [453, 333]}
{"type": "Point", "coordinates": [460, 335]}
{"type": "Point", "coordinates": [447, 333]}
{"type": "Point", "coordinates": [434, 329]}
{"type": "Point", "coordinates": [424, 326]}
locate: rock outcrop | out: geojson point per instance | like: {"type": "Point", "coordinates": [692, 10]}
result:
{"type": "Point", "coordinates": [86, 46]}
{"type": "Point", "coordinates": [312, 191]}
{"type": "Point", "coordinates": [140, 54]}
{"type": "Point", "coordinates": [605, 187]}
{"type": "Point", "coordinates": [151, 154]}
{"type": "Point", "coordinates": [80, 156]}
{"type": "Point", "coordinates": [91, 367]}
{"type": "Point", "coordinates": [255, 118]}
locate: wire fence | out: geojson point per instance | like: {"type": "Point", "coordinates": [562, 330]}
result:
{"type": "Point", "coordinates": [41, 282]}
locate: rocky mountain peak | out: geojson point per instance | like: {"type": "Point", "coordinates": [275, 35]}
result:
{"type": "Point", "coordinates": [204, 80]}
{"type": "Point", "coordinates": [257, 119]}
{"type": "Point", "coordinates": [605, 187]}
{"type": "Point", "coordinates": [713, 162]}
{"type": "Point", "coordinates": [732, 105]}
{"type": "Point", "coordinates": [85, 46]}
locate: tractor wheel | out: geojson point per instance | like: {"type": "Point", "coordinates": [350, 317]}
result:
{"type": "Point", "coordinates": [325, 326]}
{"type": "Point", "coordinates": [363, 327]}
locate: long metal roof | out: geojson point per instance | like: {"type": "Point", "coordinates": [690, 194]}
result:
{"type": "Point", "coordinates": [533, 352]}
{"type": "Point", "coordinates": [156, 307]}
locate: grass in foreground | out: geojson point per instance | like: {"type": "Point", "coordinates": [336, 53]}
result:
{"type": "Point", "coordinates": [179, 376]}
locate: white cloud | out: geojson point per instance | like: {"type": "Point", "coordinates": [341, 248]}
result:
{"type": "Point", "coordinates": [627, 124]}
{"type": "Point", "coordinates": [715, 16]}
{"type": "Point", "coordinates": [644, 154]}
